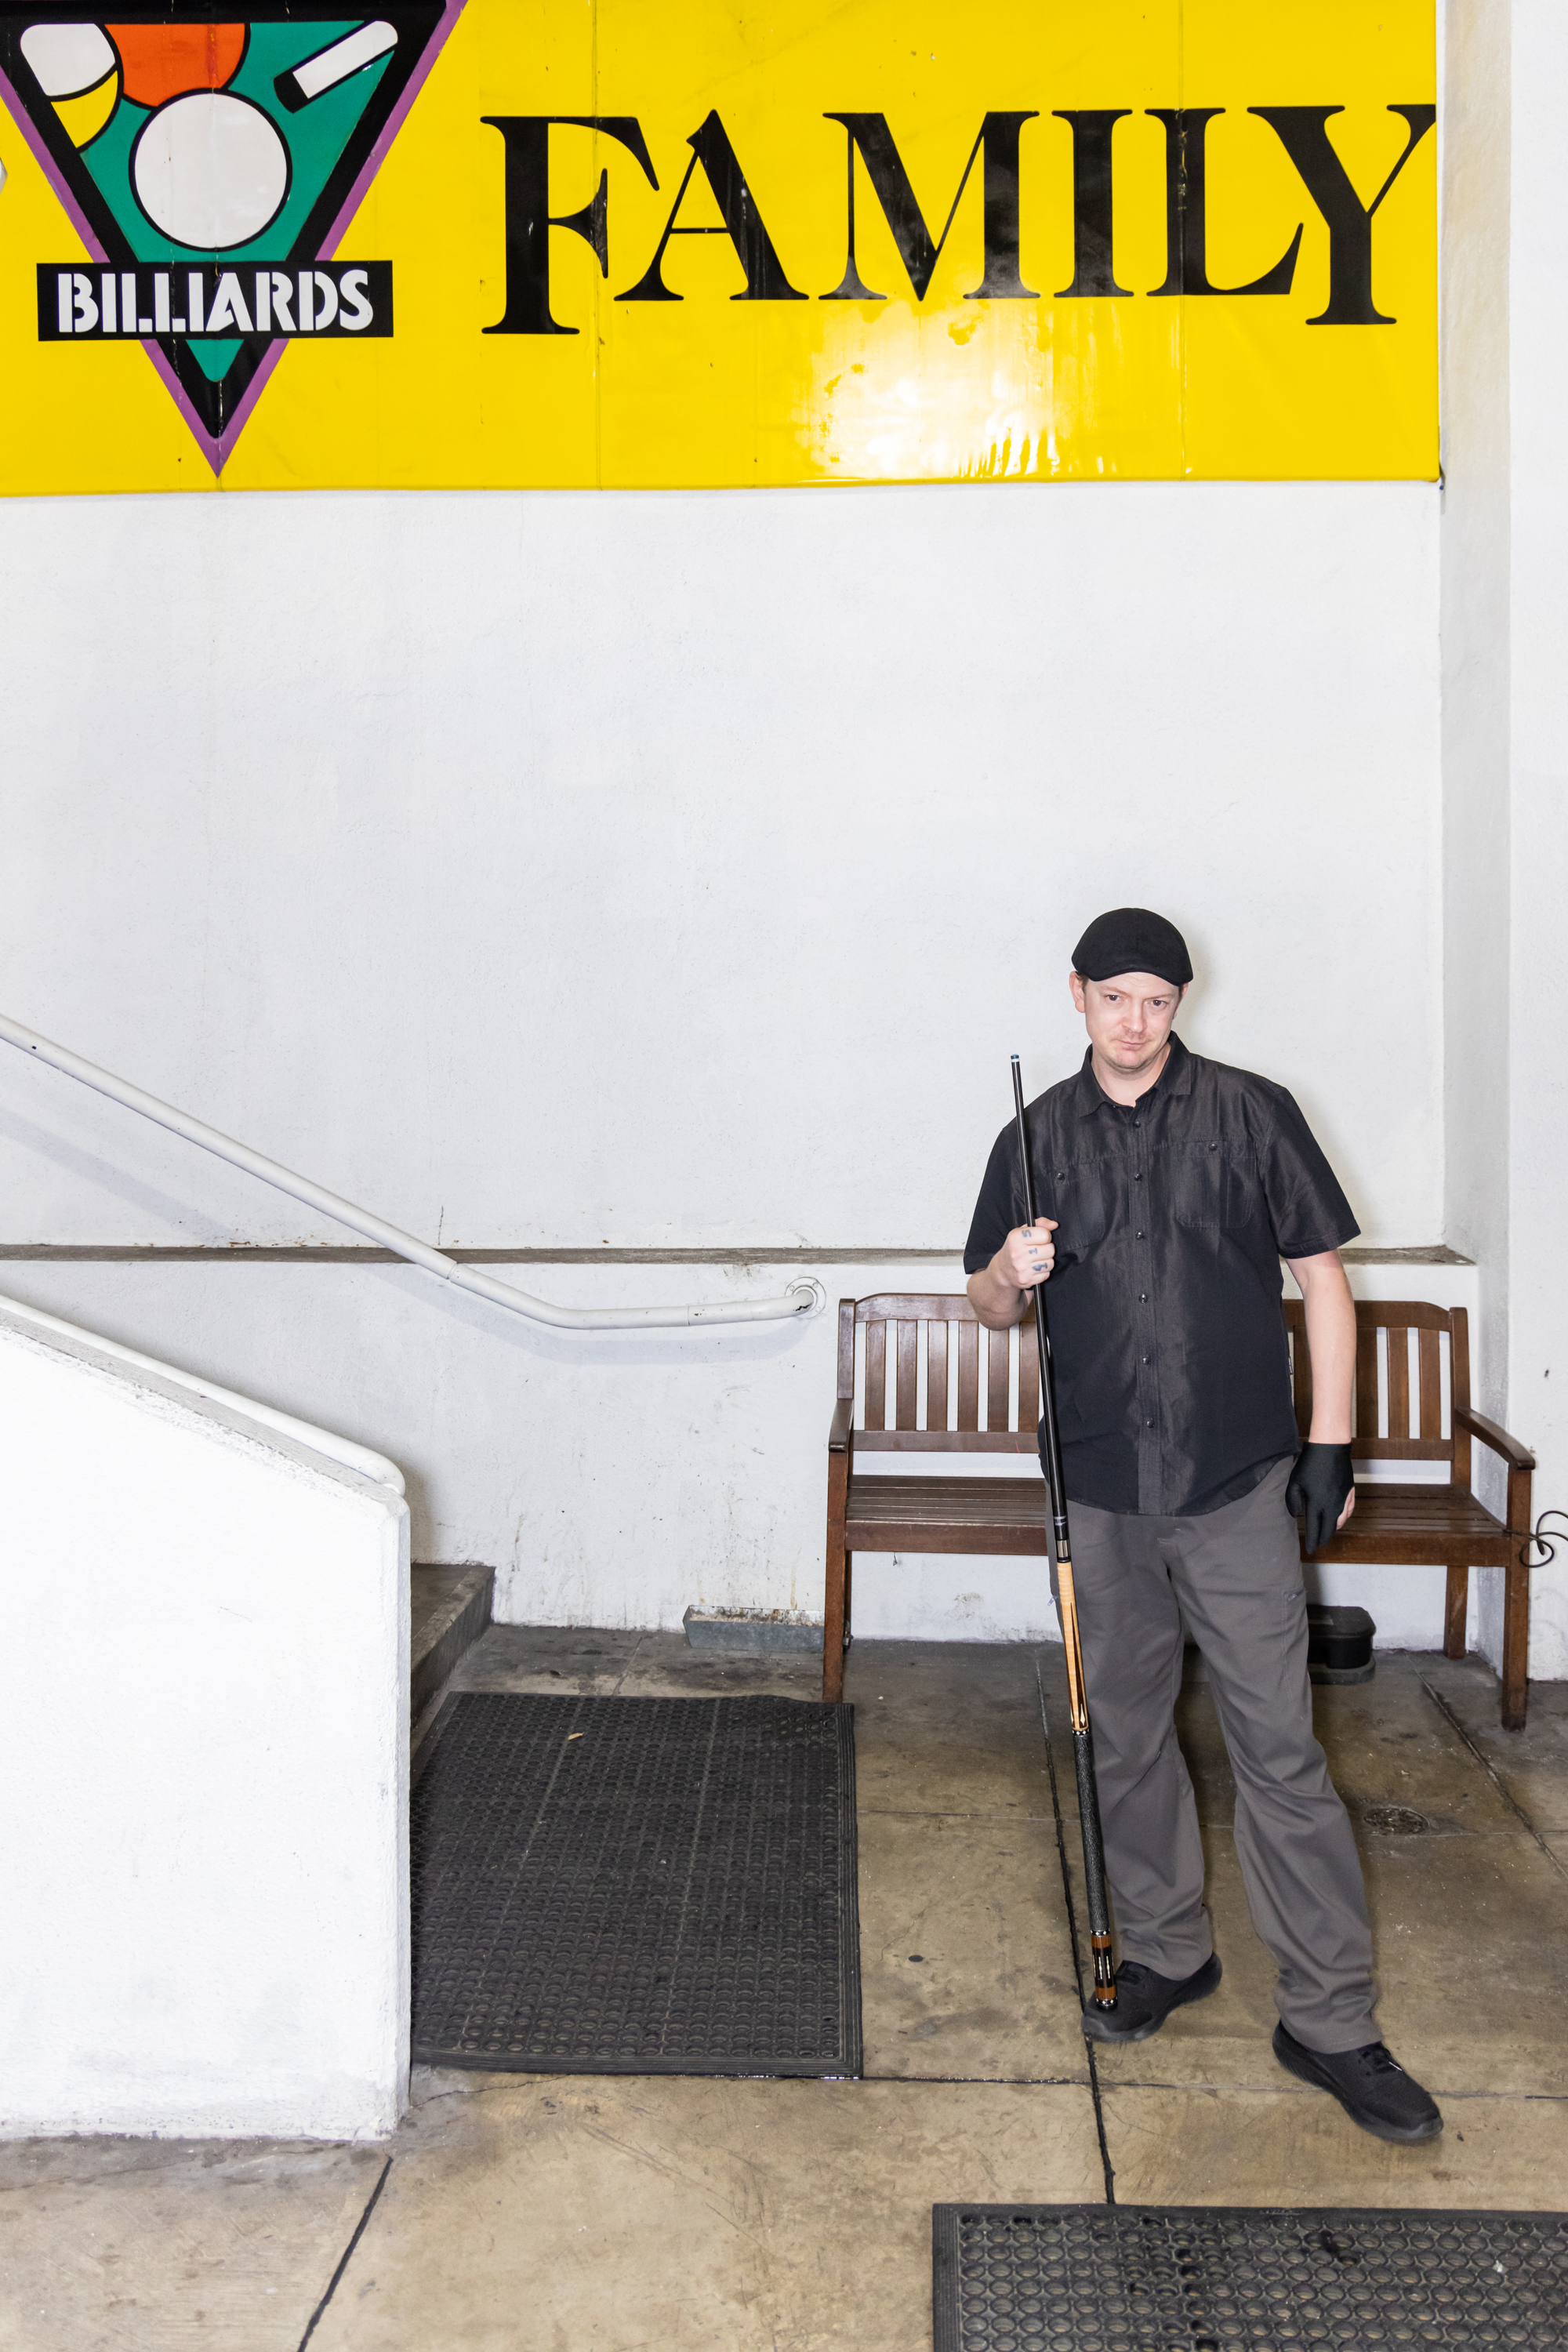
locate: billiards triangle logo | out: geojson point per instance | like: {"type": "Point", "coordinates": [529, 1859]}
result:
{"type": "Point", "coordinates": [211, 167]}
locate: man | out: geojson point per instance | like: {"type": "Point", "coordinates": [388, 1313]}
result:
{"type": "Point", "coordinates": [1174, 1186]}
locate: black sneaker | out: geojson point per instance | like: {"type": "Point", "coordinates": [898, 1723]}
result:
{"type": "Point", "coordinates": [1145, 1999]}
{"type": "Point", "coordinates": [1370, 2084]}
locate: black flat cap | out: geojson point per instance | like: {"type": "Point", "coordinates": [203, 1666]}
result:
{"type": "Point", "coordinates": [1131, 939]}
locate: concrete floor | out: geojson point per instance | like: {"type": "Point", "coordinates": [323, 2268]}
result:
{"type": "Point", "coordinates": [515, 2214]}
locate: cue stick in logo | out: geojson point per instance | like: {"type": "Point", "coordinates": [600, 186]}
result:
{"type": "Point", "coordinates": [210, 167]}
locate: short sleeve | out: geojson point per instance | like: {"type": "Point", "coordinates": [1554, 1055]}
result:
{"type": "Point", "coordinates": [1308, 1211]}
{"type": "Point", "coordinates": [994, 1219]}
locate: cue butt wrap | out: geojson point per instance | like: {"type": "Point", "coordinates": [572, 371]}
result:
{"type": "Point", "coordinates": [1078, 1705]}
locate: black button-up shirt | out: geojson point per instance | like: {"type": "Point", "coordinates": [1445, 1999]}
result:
{"type": "Point", "coordinates": [1173, 1379]}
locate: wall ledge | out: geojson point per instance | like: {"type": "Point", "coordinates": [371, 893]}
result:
{"type": "Point", "coordinates": [357, 1254]}
{"type": "Point", "coordinates": [1426, 1254]}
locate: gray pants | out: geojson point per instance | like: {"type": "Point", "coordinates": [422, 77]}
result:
{"type": "Point", "coordinates": [1235, 1575]}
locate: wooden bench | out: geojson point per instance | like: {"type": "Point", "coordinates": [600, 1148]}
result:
{"type": "Point", "coordinates": [1410, 1359]}
{"type": "Point", "coordinates": [931, 1381]}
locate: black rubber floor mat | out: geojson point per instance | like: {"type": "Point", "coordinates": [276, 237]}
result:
{"type": "Point", "coordinates": [1171, 2278]}
{"type": "Point", "coordinates": [637, 1887]}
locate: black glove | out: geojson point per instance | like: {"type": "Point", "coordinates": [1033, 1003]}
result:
{"type": "Point", "coordinates": [1320, 1483]}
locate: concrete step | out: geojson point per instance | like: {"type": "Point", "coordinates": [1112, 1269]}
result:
{"type": "Point", "coordinates": [451, 1610]}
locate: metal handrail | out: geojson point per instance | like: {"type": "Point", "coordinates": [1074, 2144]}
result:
{"type": "Point", "coordinates": [805, 1297]}
{"type": "Point", "coordinates": [304, 1433]}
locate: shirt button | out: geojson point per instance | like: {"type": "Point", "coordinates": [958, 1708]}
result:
{"type": "Point", "coordinates": [1143, 1297]}
{"type": "Point", "coordinates": [1139, 1235]}
{"type": "Point", "coordinates": [1147, 1424]}
{"type": "Point", "coordinates": [1146, 1360]}
{"type": "Point", "coordinates": [1137, 1175]}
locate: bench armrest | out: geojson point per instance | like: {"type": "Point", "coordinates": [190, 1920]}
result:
{"type": "Point", "coordinates": [843, 1426]}
{"type": "Point", "coordinates": [1516, 1455]}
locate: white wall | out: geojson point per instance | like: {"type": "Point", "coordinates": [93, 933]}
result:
{"type": "Point", "coordinates": [666, 869]}
{"type": "Point", "coordinates": [203, 1766]}
{"type": "Point", "coordinates": [1504, 617]}
{"type": "Point", "coordinates": [1475, 654]}
{"type": "Point", "coordinates": [1538, 962]}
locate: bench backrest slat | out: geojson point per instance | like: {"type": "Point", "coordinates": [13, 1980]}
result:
{"type": "Point", "coordinates": [1366, 1379]}
{"type": "Point", "coordinates": [968, 1375]}
{"type": "Point", "coordinates": [906, 1377]}
{"type": "Point", "coordinates": [1459, 1381]}
{"type": "Point", "coordinates": [936, 1375]}
{"type": "Point", "coordinates": [875, 1374]}
{"type": "Point", "coordinates": [1396, 1345]}
{"type": "Point", "coordinates": [1028, 1414]}
{"type": "Point", "coordinates": [1430, 1383]}
{"type": "Point", "coordinates": [999, 1348]}
{"type": "Point", "coordinates": [1301, 1383]}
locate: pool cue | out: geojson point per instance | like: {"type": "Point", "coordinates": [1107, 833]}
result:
{"type": "Point", "coordinates": [1078, 1702]}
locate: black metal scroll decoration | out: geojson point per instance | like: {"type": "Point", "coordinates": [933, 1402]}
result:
{"type": "Point", "coordinates": [1546, 1538]}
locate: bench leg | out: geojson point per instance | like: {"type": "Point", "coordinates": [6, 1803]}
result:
{"type": "Point", "coordinates": [1456, 1611]}
{"type": "Point", "coordinates": [1515, 1646]}
{"type": "Point", "coordinates": [1516, 1604]}
{"type": "Point", "coordinates": [835, 1624]}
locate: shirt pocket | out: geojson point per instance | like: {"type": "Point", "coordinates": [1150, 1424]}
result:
{"type": "Point", "coordinates": [1212, 1187]}
{"type": "Point", "coordinates": [1081, 1202]}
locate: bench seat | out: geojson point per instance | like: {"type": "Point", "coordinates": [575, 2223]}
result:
{"type": "Point", "coordinates": [1411, 1525]}
{"type": "Point", "coordinates": [999, 1515]}
{"type": "Point", "coordinates": [1394, 1525]}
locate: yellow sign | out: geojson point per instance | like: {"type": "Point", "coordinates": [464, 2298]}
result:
{"type": "Point", "coordinates": [538, 243]}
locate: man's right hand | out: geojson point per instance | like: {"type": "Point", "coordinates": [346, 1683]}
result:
{"type": "Point", "coordinates": [1024, 1261]}
{"type": "Point", "coordinates": [1028, 1255]}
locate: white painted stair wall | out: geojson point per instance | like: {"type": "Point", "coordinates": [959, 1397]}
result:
{"type": "Point", "coordinates": [204, 1761]}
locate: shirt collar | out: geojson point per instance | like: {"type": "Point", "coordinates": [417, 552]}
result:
{"type": "Point", "coordinates": [1175, 1078]}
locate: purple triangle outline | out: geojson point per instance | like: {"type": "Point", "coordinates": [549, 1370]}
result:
{"type": "Point", "coordinates": [219, 450]}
